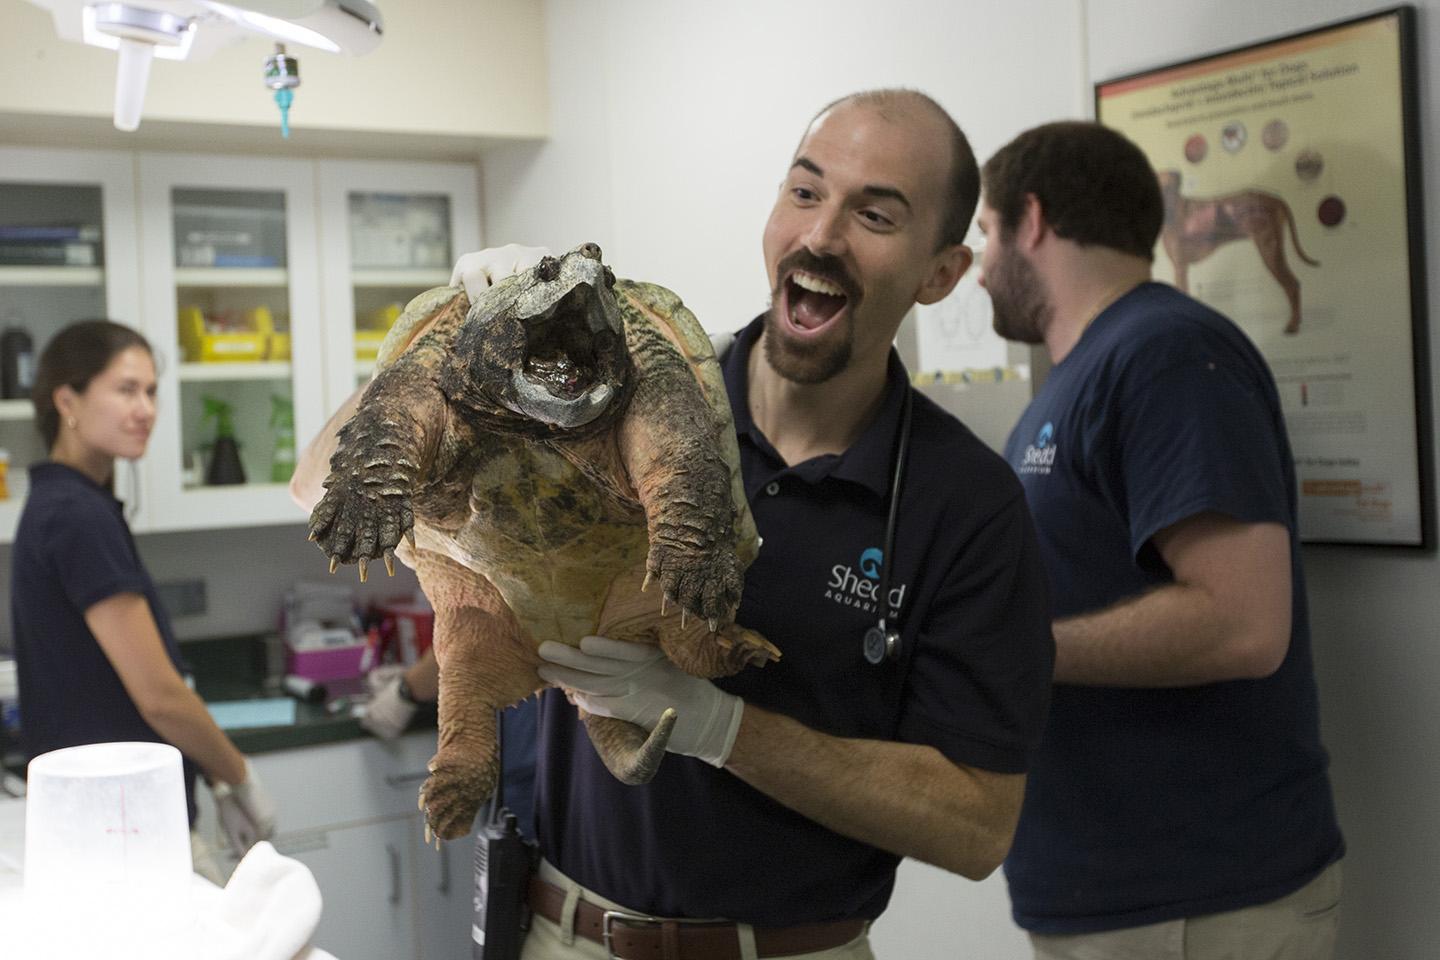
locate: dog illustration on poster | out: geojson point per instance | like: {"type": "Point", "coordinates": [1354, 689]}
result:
{"type": "Point", "coordinates": [1194, 228]}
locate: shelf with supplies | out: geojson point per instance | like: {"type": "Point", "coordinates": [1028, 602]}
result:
{"type": "Point", "coordinates": [248, 311]}
{"type": "Point", "coordinates": [233, 277]}
{"type": "Point", "coordinates": [13, 276]}
{"type": "Point", "coordinates": [419, 277]}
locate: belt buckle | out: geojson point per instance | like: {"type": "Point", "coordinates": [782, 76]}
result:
{"type": "Point", "coordinates": [607, 920]}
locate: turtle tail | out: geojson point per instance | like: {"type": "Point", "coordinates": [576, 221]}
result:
{"type": "Point", "coordinates": [626, 750]}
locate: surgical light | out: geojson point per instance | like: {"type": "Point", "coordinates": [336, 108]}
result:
{"type": "Point", "coordinates": [193, 29]}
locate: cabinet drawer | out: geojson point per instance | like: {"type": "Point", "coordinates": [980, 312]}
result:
{"type": "Point", "coordinates": [343, 783]}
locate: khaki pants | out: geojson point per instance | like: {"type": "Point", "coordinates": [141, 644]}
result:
{"type": "Point", "coordinates": [551, 941]}
{"type": "Point", "coordinates": [1299, 926]}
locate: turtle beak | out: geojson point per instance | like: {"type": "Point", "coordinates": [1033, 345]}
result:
{"type": "Point", "coordinates": [537, 402]}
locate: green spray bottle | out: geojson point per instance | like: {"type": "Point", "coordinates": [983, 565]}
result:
{"type": "Point", "coordinates": [282, 421]}
{"type": "Point", "coordinates": [225, 466]}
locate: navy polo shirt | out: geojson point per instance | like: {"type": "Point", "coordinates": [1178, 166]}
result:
{"type": "Point", "coordinates": [972, 680]}
{"type": "Point", "coordinates": [1145, 805]}
{"type": "Point", "coordinates": [72, 550]}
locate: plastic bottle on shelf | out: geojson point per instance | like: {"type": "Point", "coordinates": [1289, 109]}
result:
{"type": "Point", "coordinates": [225, 466]}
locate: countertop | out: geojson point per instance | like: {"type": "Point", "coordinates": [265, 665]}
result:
{"type": "Point", "coordinates": [231, 669]}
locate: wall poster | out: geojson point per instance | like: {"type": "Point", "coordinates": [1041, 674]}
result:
{"type": "Point", "coordinates": [1290, 171]}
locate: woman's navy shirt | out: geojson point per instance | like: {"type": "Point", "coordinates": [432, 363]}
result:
{"type": "Point", "coordinates": [72, 550]}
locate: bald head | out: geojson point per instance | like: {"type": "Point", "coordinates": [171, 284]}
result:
{"type": "Point", "coordinates": [962, 184]}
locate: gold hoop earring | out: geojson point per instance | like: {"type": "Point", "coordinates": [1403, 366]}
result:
{"type": "Point", "coordinates": [70, 422]}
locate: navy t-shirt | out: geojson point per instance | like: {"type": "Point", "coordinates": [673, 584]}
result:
{"type": "Point", "coordinates": [1145, 805]}
{"type": "Point", "coordinates": [972, 680]}
{"type": "Point", "coordinates": [72, 550]}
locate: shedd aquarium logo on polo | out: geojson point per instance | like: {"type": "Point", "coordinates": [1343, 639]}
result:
{"type": "Point", "coordinates": [1040, 455]}
{"type": "Point", "coordinates": [861, 588]}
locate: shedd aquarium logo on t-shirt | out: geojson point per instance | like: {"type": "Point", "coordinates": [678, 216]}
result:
{"type": "Point", "coordinates": [861, 588]}
{"type": "Point", "coordinates": [1040, 455]}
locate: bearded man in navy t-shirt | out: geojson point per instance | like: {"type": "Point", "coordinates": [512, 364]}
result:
{"type": "Point", "coordinates": [1180, 805]}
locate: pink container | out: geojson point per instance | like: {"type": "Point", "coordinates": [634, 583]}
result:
{"type": "Point", "coordinates": [332, 663]}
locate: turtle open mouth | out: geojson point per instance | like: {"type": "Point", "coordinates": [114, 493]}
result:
{"type": "Point", "coordinates": [562, 354]}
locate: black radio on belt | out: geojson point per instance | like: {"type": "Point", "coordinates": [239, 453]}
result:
{"type": "Point", "coordinates": [503, 862]}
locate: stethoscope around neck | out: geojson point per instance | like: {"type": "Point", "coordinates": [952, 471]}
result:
{"type": "Point", "coordinates": [882, 640]}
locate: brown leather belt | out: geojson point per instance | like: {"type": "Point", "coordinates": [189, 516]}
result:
{"type": "Point", "coordinates": [631, 936]}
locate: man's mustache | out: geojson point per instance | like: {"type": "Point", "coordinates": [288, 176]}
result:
{"type": "Point", "coordinates": [828, 268]}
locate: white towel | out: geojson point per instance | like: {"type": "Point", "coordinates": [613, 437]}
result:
{"type": "Point", "coordinates": [268, 910]}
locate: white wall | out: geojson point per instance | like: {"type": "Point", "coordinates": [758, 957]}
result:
{"type": "Point", "coordinates": [1377, 648]}
{"type": "Point", "coordinates": [671, 125]}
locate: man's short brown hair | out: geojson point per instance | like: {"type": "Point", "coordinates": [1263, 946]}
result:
{"type": "Point", "coordinates": [1094, 186]}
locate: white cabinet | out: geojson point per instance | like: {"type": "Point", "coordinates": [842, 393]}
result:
{"type": "Point", "coordinates": [368, 910]}
{"type": "Point", "coordinates": [391, 231]}
{"type": "Point", "coordinates": [67, 252]}
{"type": "Point", "coordinates": [231, 298]}
{"type": "Point", "coordinates": [348, 812]}
{"type": "Point", "coordinates": [263, 284]}
{"type": "Point", "coordinates": [445, 895]}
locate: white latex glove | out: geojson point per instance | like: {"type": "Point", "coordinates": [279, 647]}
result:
{"type": "Point", "coordinates": [388, 713]}
{"type": "Point", "coordinates": [634, 682]}
{"type": "Point", "coordinates": [247, 814]}
{"type": "Point", "coordinates": [485, 268]}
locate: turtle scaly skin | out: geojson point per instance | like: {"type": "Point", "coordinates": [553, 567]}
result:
{"type": "Point", "coordinates": [550, 451]}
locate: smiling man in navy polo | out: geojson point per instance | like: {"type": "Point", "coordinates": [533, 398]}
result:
{"type": "Point", "coordinates": [800, 786]}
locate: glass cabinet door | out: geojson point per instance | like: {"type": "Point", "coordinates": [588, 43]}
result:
{"type": "Point", "coordinates": [231, 290]}
{"type": "Point", "coordinates": [64, 217]}
{"type": "Point", "coordinates": [391, 231]}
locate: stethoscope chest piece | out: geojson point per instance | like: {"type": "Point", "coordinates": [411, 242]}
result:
{"type": "Point", "coordinates": [881, 645]}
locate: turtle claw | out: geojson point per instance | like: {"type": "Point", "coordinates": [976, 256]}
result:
{"type": "Point", "coordinates": [646, 582]}
{"type": "Point", "coordinates": [389, 562]}
{"type": "Point", "coordinates": [334, 564]}
{"type": "Point", "coordinates": [362, 563]}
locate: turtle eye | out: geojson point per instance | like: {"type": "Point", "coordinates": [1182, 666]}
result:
{"type": "Point", "coordinates": [609, 277]}
{"type": "Point", "coordinates": [548, 268]}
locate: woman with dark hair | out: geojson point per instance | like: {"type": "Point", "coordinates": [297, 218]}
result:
{"type": "Point", "coordinates": [97, 659]}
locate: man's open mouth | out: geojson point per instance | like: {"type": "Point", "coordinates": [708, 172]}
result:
{"type": "Point", "coordinates": [812, 301]}
{"type": "Point", "coordinates": [562, 354]}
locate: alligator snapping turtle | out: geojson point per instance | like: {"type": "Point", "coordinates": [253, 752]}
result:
{"type": "Point", "coordinates": [548, 450]}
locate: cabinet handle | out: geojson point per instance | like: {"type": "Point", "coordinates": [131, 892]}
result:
{"type": "Point", "coordinates": [400, 779]}
{"type": "Point", "coordinates": [445, 870]}
{"type": "Point", "coordinates": [394, 873]}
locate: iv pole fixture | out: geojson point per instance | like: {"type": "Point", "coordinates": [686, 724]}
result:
{"type": "Point", "coordinates": [139, 30]}
{"type": "Point", "coordinates": [282, 74]}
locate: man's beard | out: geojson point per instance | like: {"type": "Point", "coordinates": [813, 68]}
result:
{"type": "Point", "coordinates": [1021, 310]}
{"type": "Point", "coordinates": [811, 361]}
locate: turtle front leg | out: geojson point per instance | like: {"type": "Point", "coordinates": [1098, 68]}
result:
{"type": "Point", "coordinates": [667, 441]}
{"type": "Point", "coordinates": [384, 451]}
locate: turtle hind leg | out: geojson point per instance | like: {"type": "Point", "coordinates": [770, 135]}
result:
{"type": "Point", "coordinates": [460, 782]}
{"type": "Point", "coordinates": [483, 665]}
{"type": "Point", "coordinates": [625, 748]}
